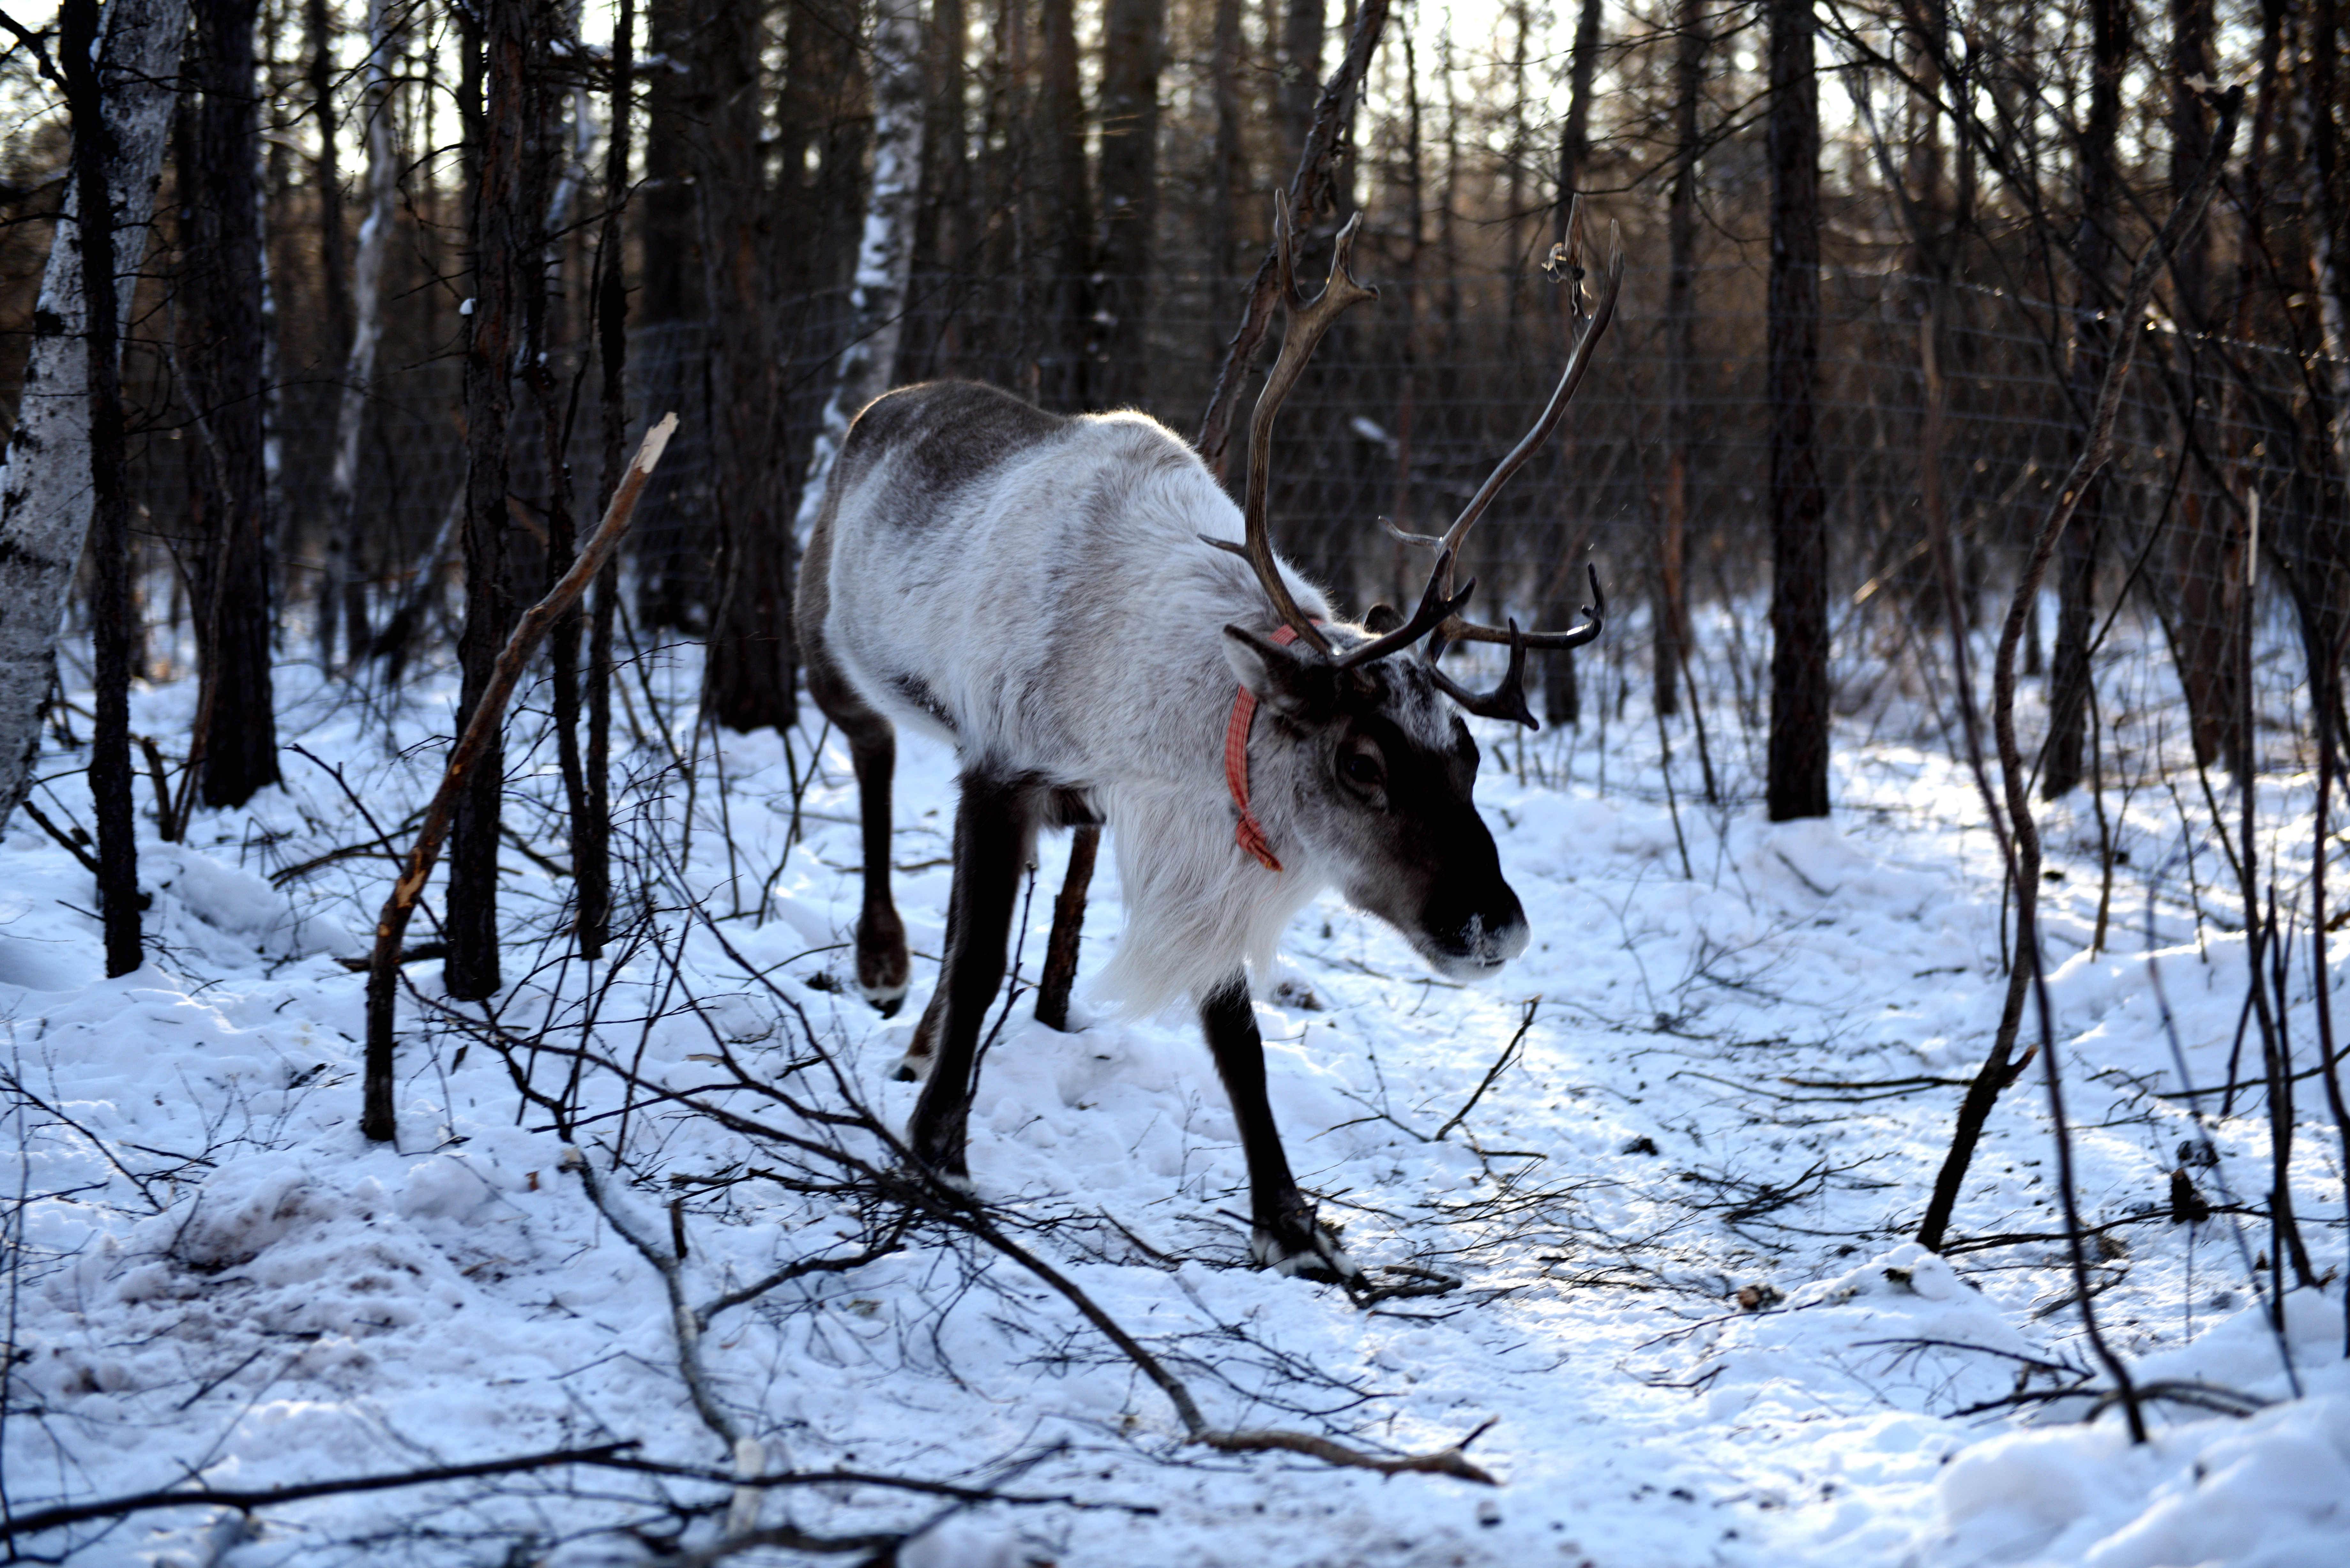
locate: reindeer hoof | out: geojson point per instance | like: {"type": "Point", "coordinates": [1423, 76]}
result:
{"type": "Point", "coordinates": [913, 1067]}
{"type": "Point", "coordinates": [955, 1185]}
{"type": "Point", "coordinates": [1307, 1252]}
{"type": "Point", "coordinates": [886, 999]}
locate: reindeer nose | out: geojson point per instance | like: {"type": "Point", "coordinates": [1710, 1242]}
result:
{"type": "Point", "coordinates": [1479, 939]}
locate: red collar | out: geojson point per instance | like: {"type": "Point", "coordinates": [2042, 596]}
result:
{"type": "Point", "coordinates": [1249, 835]}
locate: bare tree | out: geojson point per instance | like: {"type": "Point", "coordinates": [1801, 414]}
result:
{"type": "Point", "coordinates": [885, 259]}
{"type": "Point", "coordinates": [46, 496]}
{"type": "Point", "coordinates": [2095, 258]}
{"type": "Point", "coordinates": [1797, 784]}
{"type": "Point", "coordinates": [1063, 210]}
{"type": "Point", "coordinates": [749, 680]}
{"type": "Point", "coordinates": [1690, 49]}
{"type": "Point", "coordinates": [1133, 48]}
{"type": "Point", "coordinates": [342, 597]}
{"type": "Point", "coordinates": [235, 739]}
{"type": "Point", "coordinates": [506, 243]}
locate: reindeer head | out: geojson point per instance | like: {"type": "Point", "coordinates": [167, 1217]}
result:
{"type": "Point", "coordinates": [1378, 771]}
{"type": "Point", "coordinates": [1374, 772]}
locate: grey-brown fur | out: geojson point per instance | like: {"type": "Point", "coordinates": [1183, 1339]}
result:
{"type": "Point", "coordinates": [1034, 590]}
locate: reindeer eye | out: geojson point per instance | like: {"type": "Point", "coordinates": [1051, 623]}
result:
{"type": "Point", "coordinates": [1362, 768]}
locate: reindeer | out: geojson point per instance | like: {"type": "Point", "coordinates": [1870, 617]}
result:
{"type": "Point", "coordinates": [1076, 606]}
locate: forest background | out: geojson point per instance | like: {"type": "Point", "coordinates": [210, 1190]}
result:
{"type": "Point", "coordinates": [1930, 306]}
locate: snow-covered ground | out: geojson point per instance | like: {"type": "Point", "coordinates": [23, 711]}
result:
{"type": "Point", "coordinates": [1690, 1327]}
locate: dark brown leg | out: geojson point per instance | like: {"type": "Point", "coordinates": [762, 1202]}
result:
{"type": "Point", "coordinates": [994, 827]}
{"type": "Point", "coordinates": [882, 968]}
{"type": "Point", "coordinates": [915, 1065]}
{"type": "Point", "coordinates": [1285, 1234]}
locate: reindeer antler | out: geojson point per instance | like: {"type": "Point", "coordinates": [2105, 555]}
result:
{"type": "Point", "coordinates": [1306, 323]}
{"type": "Point", "coordinates": [1508, 700]}
{"type": "Point", "coordinates": [1438, 618]}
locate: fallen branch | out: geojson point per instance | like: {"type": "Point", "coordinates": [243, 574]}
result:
{"type": "Point", "coordinates": [959, 1212]}
{"type": "Point", "coordinates": [378, 1120]}
{"type": "Point", "coordinates": [41, 821]}
{"type": "Point", "coordinates": [248, 1500]}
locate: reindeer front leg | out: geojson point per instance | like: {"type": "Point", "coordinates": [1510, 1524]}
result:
{"type": "Point", "coordinates": [1285, 1235]}
{"type": "Point", "coordinates": [995, 826]}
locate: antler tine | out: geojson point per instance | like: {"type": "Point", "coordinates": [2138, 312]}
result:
{"type": "Point", "coordinates": [1507, 700]}
{"type": "Point", "coordinates": [1435, 609]}
{"type": "Point", "coordinates": [1595, 621]}
{"type": "Point", "coordinates": [1306, 324]}
{"type": "Point", "coordinates": [1578, 360]}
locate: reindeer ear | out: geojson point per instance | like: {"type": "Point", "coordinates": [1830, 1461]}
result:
{"type": "Point", "coordinates": [1283, 679]}
{"type": "Point", "coordinates": [1383, 619]}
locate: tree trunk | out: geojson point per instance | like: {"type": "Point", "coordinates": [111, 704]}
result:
{"type": "Point", "coordinates": [885, 257]}
{"type": "Point", "coordinates": [2207, 556]}
{"type": "Point", "coordinates": [109, 545]}
{"type": "Point", "coordinates": [1562, 695]}
{"type": "Point", "coordinates": [1064, 213]}
{"type": "Point", "coordinates": [236, 734]}
{"type": "Point", "coordinates": [505, 241]}
{"type": "Point", "coordinates": [673, 541]}
{"type": "Point", "coordinates": [1228, 176]}
{"type": "Point", "coordinates": [1301, 74]}
{"type": "Point", "coordinates": [2094, 255]}
{"type": "Point", "coordinates": [46, 498]}
{"type": "Point", "coordinates": [748, 681]}
{"type": "Point", "coordinates": [341, 596]}
{"type": "Point", "coordinates": [591, 841]}
{"type": "Point", "coordinates": [1680, 358]}
{"type": "Point", "coordinates": [1797, 781]}
{"type": "Point", "coordinates": [1133, 47]}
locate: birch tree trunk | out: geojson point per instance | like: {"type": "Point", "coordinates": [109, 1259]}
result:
{"type": "Point", "coordinates": [45, 491]}
{"type": "Point", "coordinates": [886, 254]}
{"type": "Point", "coordinates": [338, 597]}
{"type": "Point", "coordinates": [1562, 697]}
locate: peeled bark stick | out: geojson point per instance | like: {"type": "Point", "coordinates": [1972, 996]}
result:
{"type": "Point", "coordinates": [377, 1119]}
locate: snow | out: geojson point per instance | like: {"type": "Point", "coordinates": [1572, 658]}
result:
{"type": "Point", "coordinates": [1690, 1307]}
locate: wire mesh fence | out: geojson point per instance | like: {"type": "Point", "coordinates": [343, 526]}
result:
{"type": "Point", "coordinates": [1407, 408]}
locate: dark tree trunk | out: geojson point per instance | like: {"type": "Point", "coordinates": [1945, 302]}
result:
{"type": "Point", "coordinates": [1133, 46]}
{"type": "Point", "coordinates": [1797, 781]}
{"type": "Point", "coordinates": [673, 543]}
{"type": "Point", "coordinates": [505, 241]}
{"type": "Point", "coordinates": [752, 669]}
{"type": "Point", "coordinates": [1681, 359]}
{"type": "Point", "coordinates": [541, 281]}
{"type": "Point", "coordinates": [327, 175]}
{"type": "Point", "coordinates": [109, 533]}
{"type": "Point", "coordinates": [946, 224]}
{"type": "Point", "coordinates": [2095, 255]}
{"type": "Point", "coordinates": [235, 727]}
{"type": "Point", "coordinates": [2208, 559]}
{"type": "Point", "coordinates": [591, 838]}
{"type": "Point", "coordinates": [1301, 74]}
{"type": "Point", "coordinates": [1063, 212]}
{"type": "Point", "coordinates": [1228, 175]}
